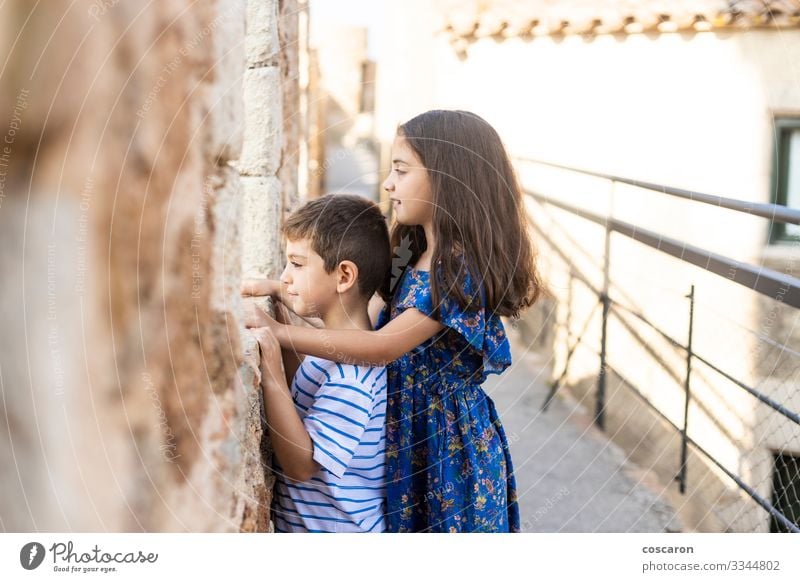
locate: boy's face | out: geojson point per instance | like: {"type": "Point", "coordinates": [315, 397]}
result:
{"type": "Point", "coordinates": [408, 185]}
{"type": "Point", "coordinates": [311, 289]}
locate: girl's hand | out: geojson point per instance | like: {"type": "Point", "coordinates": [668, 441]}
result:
{"type": "Point", "coordinates": [271, 364]}
{"type": "Point", "coordinates": [283, 314]}
{"type": "Point", "coordinates": [260, 288]}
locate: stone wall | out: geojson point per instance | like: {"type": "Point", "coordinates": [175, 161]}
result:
{"type": "Point", "coordinates": [141, 139]}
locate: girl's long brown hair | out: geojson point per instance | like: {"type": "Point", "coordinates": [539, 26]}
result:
{"type": "Point", "coordinates": [479, 216]}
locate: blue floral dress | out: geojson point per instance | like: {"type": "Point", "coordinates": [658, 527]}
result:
{"type": "Point", "coordinates": [448, 463]}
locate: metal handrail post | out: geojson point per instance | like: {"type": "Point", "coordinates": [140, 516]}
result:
{"type": "Point", "coordinates": [600, 410]}
{"type": "Point", "coordinates": [601, 379]}
{"type": "Point", "coordinates": [687, 396]}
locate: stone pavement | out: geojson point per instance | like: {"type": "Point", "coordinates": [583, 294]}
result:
{"type": "Point", "coordinates": [570, 478]}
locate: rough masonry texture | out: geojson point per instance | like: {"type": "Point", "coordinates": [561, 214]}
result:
{"type": "Point", "coordinates": [143, 139]}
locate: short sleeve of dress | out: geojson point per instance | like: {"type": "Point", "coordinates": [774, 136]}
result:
{"type": "Point", "coordinates": [483, 332]}
{"type": "Point", "coordinates": [485, 335]}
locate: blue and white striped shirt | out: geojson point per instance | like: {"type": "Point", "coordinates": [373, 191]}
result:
{"type": "Point", "coordinates": [343, 408]}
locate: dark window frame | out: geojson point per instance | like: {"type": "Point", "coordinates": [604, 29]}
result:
{"type": "Point", "coordinates": [785, 489]}
{"type": "Point", "coordinates": [780, 174]}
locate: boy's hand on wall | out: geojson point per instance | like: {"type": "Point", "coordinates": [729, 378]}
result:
{"type": "Point", "coordinates": [271, 360]}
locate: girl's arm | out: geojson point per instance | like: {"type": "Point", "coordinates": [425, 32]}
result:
{"type": "Point", "coordinates": [371, 348]}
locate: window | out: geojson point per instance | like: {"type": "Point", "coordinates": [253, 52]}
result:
{"type": "Point", "coordinates": [785, 490]}
{"type": "Point", "coordinates": [786, 175]}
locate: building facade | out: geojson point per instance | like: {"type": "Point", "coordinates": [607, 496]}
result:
{"type": "Point", "coordinates": [698, 95]}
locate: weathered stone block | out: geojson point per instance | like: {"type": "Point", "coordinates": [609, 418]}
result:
{"type": "Point", "coordinates": [261, 44]}
{"type": "Point", "coordinates": [226, 104]}
{"type": "Point", "coordinates": [226, 257]}
{"type": "Point", "coordinates": [263, 122]}
{"type": "Point", "coordinates": [261, 245]}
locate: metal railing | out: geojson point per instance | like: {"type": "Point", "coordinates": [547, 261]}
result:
{"type": "Point", "coordinates": [776, 285]}
{"type": "Point", "coordinates": [775, 212]}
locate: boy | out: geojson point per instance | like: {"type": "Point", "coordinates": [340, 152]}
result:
{"type": "Point", "coordinates": [328, 431]}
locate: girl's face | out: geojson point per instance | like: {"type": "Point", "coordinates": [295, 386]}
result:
{"type": "Point", "coordinates": [408, 186]}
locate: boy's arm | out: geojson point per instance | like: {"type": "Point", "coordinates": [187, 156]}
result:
{"type": "Point", "coordinates": [290, 440]}
{"type": "Point", "coordinates": [371, 348]}
{"type": "Point", "coordinates": [291, 359]}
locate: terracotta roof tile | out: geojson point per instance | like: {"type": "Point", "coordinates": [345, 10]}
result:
{"type": "Point", "coordinates": [470, 19]}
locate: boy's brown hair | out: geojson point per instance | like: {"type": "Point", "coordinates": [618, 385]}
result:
{"type": "Point", "coordinates": [345, 227]}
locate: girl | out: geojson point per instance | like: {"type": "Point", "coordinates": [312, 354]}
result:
{"type": "Point", "coordinates": [463, 258]}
